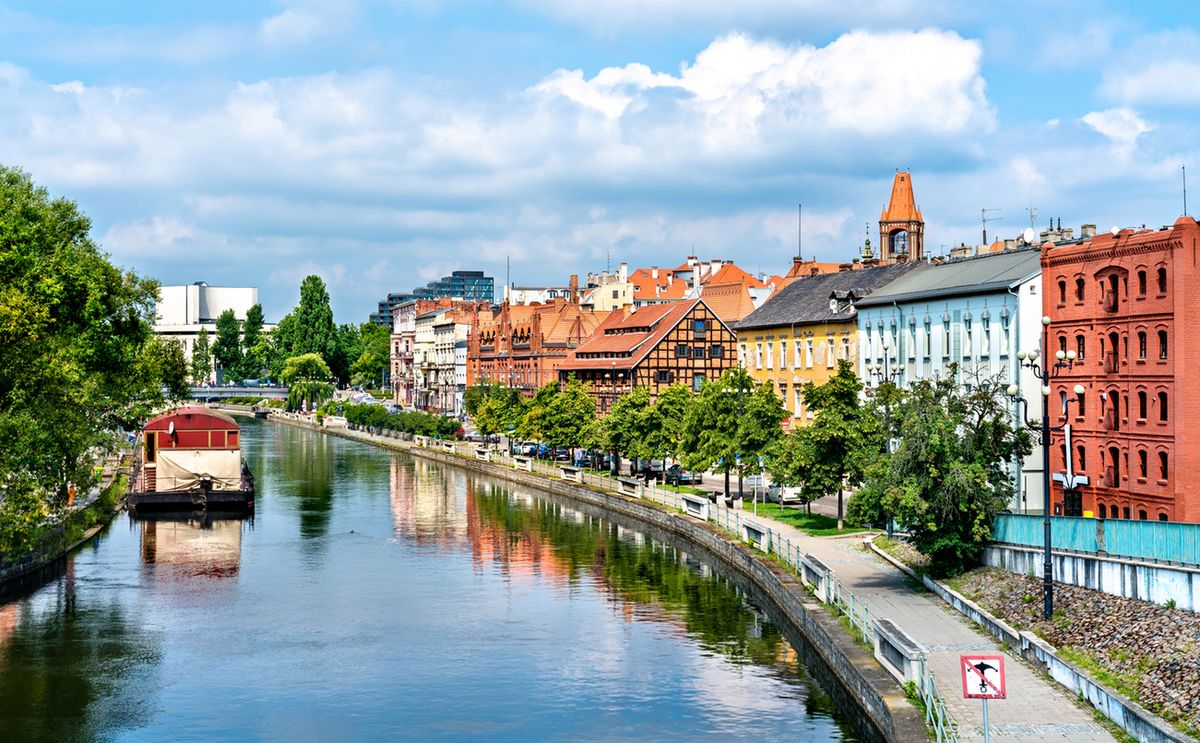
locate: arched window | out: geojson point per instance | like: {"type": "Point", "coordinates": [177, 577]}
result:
{"type": "Point", "coordinates": [1141, 336]}
{"type": "Point", "coordinates": [1079, 284]}
{"type": "Point", "coordinates": [1114, 464]}
{"type": "Point", "coordinates": [1141, 283]}
{"type": "Point", "coordinates": [1126, 510]}
{"type": "Point", "coordinates": [1080, 458]}
{"type": "Point", "coordinates": [1141, 515]}
{"type": "Point", "coordinates": [1142, 405]}
{"type": "Point", "coordinates": [1082, 404]}
{"type": "Point", "coordinates": [1162, 517]}
{"type": "Point", "coordinates": [1162, 344]}
{"type": "Point", "coordinates": [1162, 280]}
{"type": "Point", "coordinates": [1162, 465]}
{"type": "Point", "coordinates": [1103, 513]}
{"type": "Point", "coordinates": [899, 242]}
{"type": "Point", "coordinates": [1062, 343]}
{"type": "Point", "coordinates": [1062, 292]}
{"type": "Point", "coordinates": [1142, 464]}
{"type": "Point", "coordinates": [1162, 406]}
{"type": "Point", "coordinates": [1080, 345]}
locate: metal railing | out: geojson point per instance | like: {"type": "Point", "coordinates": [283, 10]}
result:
{"type": "Point", "coordinates": [1159, 541]}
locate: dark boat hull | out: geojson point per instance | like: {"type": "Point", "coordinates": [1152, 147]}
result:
{"type": "Point", "coordinates": [193, 500]}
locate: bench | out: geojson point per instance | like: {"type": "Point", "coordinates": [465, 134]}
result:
{"type": "Point", "coordinates": [574, 474]}
{"type": "Point", "coordinates": [523, 463]}
{"type": "Point", "coordinates": [696, 505]}
{"type": "Point", "coordinates": [629, 487]}
{"type": "Point", "coordinates": [898, 653]}
{"type": "Point", "coordinates": [815, 573]}
{"type": "Point", "coordinates": [448, 446]}
{"type": "Point", "coordinates": [421, 440]}
{"type": "Point", "coordinates": [483, 455]}
{"type": "Point", "coordinates": [756, 534]}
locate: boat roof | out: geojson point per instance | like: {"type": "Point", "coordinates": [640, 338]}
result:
{"type": "Point", "coordinates": [193, 418]}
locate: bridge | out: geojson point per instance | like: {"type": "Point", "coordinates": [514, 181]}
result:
{"type": "Point", "coordinates": [215, 394]}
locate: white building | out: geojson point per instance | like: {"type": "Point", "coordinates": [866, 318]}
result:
{"type": "Point", "coordinates": [182, 311]}
{"type": "Point", "coordinates": [450, 359]}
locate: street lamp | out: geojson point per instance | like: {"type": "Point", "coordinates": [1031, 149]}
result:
{"type": "Point", "coordinates": [884, 374]}
{"type": "Point", "coordinates": [1046, 372]}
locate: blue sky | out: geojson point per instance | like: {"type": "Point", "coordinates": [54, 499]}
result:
{"type": "Point", "coordinates": [382, 144]}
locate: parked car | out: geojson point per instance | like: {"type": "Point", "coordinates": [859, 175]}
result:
{"type": "Point", "coordinates": [562, 455]}
{"type": "Point", "coordinates": [676, 475]}
{"type": "Point", "coordinates": [647, 468]}
{"type": "Point", "coordinates": [527, 448]}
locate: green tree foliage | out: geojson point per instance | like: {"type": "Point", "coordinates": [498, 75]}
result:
{"type": "Point", "coordinates": [77, 354]}
{"type": "Point", "coordinates": [949, 475]}
{"type": "Point", "coordinates": [372, 360]}
{"type": "Point", "coordinates": [171, 366]}
{"type": "Point", "coordinates": [281, 341]}
{"type": "Point", "coordinates": [254, 361]}
{"type": "Point", "coordinates": [624, 429]}
{"type": "Point", "coordinates": [833, 452]}
{"type": "Point", "coordinates": [490, 416]}
{"type": "Point", "coordinates": [308, 380]}
{"type": "Point", "coordinates": [662, 429]}
{"type": "Point", "coordinates": [314, 331]}
{"type": "Point", "coordinates": [347, 348]}
{"type": "Point", "coordinates": [570, 420]}
{"type": "Point", "coordinates": [421, 424]}
{"type": "Point", "coordinates": [201, 358]}
{"type": "Point", "coordinates": [535, 423]}
{"type": "Point", "coordinates": [227, 348]}
{"type": "Point", "coordinates": [730, 417]}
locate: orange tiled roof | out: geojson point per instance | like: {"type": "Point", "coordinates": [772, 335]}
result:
{"type": "Point", "coordinates": [903, 206]}
{"type": "Point", "coordinates": [730, 302]}
{"type": "Point", "coordinates": [625, 341]}
{"type": "Point", "coordinates": [731, 274]}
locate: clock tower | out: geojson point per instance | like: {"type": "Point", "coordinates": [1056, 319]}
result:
{"type": "Point", "coordinates": [901, 227]}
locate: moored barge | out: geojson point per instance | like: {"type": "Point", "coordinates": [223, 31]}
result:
{"type": "Point", "coordinates": [191, 458]}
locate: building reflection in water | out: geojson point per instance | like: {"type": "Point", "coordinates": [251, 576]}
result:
{"type": "Point", "coordinates": [429, 505]}
{"type": "Point", "coordinates": [194, 545]}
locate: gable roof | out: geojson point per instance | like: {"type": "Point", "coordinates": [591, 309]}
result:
{"type": "Point", "coordinates": [731, 274]}
{"type": "Point", "coordinates": [806, 299]}
{"type": "Point", "coordinates": [902, 207]}
{"type": "Point", "coordinates": [975, 275]}
{"type": "Point", "coordinates": [627, 340]}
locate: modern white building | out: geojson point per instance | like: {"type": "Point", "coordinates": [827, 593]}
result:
{"type": "Point", "coordinates": [450, 333]}
{"type": "Point", "coordinates": [182, 311]}
{"type": "Point", "coordinates": [972, 313]}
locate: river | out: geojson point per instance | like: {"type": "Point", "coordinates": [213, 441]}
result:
{"type": "Point", "coordinates": [374, 596]}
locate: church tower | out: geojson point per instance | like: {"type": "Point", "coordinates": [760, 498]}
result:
{"type": "Point", "coordinates": [901, 227]}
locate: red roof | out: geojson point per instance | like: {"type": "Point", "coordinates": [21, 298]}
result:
{"type": "Point", "coordinates": [193, 418]}
{"type": "Point", "coordinates": [625, 342]}
{"type": "Point", "coordinates": [903, 206]}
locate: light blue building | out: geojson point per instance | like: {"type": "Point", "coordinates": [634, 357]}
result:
{"type": "Point", "coordinates": [976, 312]}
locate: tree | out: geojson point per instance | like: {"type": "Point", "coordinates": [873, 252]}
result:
{"type": "Point", "coordinates": [949, 476]}
{"type": "Point", "coordinates": [535, 423]}
{"type": "Point", "coordinates": [254, 361]}
{"type": "Point", "coordinates": [490, 416]}
{"type": "Point", "coordinates": [282, 340]}
{"type": "Point", "coordinates": [832, 453]}
{"type": "Point", "coordinates": [623, 430]}
{"type": "Point", "coordinates": [308, 380]}
{"type": "Point", "coordinates": [314, 331]}
{"type": "Point", "coordinates": [347, 348]}
{"type": "Point", "coordinates": [662, 429]}
{"type": "Point", "coordinates": [78, 358]}
{"type": "Point", "coordinates": [201, 358]}
{"type": "Point", "coordinates": [570, 421]}
{"type": "Point", "coordinates": [227, 349]}
{"type": "Point", "coordinates": [172, 366]}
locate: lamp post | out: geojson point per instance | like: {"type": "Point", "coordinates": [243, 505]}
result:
{"type": "Point", "coordinates": [884, 374]}
{"type": "Point", "coordinates": [1046, 372]}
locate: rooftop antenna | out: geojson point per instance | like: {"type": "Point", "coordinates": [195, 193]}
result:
{"type": "Point", "coordinates": [984, 218]}
{"type": "Point", "coordinates": [507, 276]}
{"type": "Point", "coordinates": [1184, 169]}
{"type": "Point", "coordinates": [1033, 215]}
{"type": "Point", "coordinates": [800, 232]}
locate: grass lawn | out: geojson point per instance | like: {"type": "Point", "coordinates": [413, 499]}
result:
{"type": "Point", "coordinates": [815, 524]}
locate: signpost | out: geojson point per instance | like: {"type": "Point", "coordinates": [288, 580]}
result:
{"type": "Point", "coordinates": [983, 678]}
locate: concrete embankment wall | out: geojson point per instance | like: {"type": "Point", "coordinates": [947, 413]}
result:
{"type": "Point", "coordinates": [1129, 578]}
{"type": "Point", "coordinates": [849, 670]}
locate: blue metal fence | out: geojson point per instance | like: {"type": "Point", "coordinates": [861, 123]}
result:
{"type": "Point", "coordinates": [1139, 540]}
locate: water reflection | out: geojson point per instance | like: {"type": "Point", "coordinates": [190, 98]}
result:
{"type": "Point", "coordinates": [192, 545]}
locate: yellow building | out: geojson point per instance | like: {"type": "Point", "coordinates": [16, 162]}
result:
{"type": "Point", "coordinates": [802, 331]}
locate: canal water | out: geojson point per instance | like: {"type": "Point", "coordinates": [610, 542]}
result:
{"type": "Point", "coordinates": [378, 597]}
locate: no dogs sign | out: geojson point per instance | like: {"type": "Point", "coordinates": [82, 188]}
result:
{"type": "Point", "coordinates": [982, 676]}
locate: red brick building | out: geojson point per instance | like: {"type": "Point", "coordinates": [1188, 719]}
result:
{"type": "Point", "coordinates": [656, 346]}
{"type": "Point", "coordinates": [1128, 305]}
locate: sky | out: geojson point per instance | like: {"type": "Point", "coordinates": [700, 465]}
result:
{"type": "Point", "coordinates": [384, 144]}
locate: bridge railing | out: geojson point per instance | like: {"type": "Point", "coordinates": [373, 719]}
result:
{"type": "Point", "coordinates": [1159, 541]}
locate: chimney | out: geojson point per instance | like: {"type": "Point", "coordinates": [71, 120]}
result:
{"type": "Point", "coordinates": [654, 272]}
{"type": "Point", "coordinates": [1087, 231]}
{"type": "Point", "coordinates": [574, 288]}
{"type": "Point", "coordinates": [624, 272]}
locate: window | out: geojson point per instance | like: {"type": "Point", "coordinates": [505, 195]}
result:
{"type": "Point", "coordinates": [716, 351]}
{"type": "Point", "coordinates": [846, 349]}
{"type": "Point", "coordinates": [1162, 406]}
{"type": "Point", "coordinates": [698, 352]}
{"type": "Point", "coordinates": [699, 328]}
{"type": "Point", "coordinates": [1141, 283]}
{"type": "Point", "coordinates": [1142, 405]}
{"type": "Point", "coordinates": [1162, 517]}
{"type": "Point", "coordinates": [1162, 465]}
{"type": "Point", "coordinates": [798, 401]}
{"type": "Point", "coordinates": [782, 354]}
{"type": "Point", "coordinates": [928, 337]}
{"type": "Point", "coordinates": [151, 445]}
{"type": "Point", "coordinates": [663, 376]}
{"type": "Point", "coordinates": [1081, 397]}
{"type": "Point", "coordinates": [742, 354]}
{"type": "Point", "coordinates": [899, 242]}
{"type": "Point", "coordinates": [681, 351]}
{"type": "Point", "coordinates": [758, 355]}
{"type": "Point", "coordinates": [770, 355]}
{"type": "Point", "coordinates": [1062, 343]}
{"type": "Point", "coordinates": [1062, 292]}
{"type": "Point", "coordinates": [1080, 345]}
{"type": "Point", "coordinates": [1142, 464]}
{"type": "Point", "coordinates": [1079, 285]}
{"type": "Point", "coordinates": [1141, 515]}
{"type": "Point", "coordinates": [1141, 344]}
{"type": "Point", "coordinates": [1103, 511]}
{"type": "Point", "coordinates": [697, 382]}
{"type": "Point", "coordinates": [616, 294]}
{"type": "Point", "coordinates": [830, 350]}
{"type": "Point", "coordinates": [808, 355]}
{"type": "Point", "coordinates": [1162, 280]}
{"type": "Point", "coordinates": [1080, 458]}
{"type": "Point", "coordinates": [1126, 509]}
{"type": "Point", "coordinates": [1162, 345]}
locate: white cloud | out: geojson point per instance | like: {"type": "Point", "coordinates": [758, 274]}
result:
{"type": "Point", "coordinates": [1120, 125]}
{"type": "Point", "coordinates": [1155, 69]}
{"type": "Point", "coordinates": [291, 26]}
